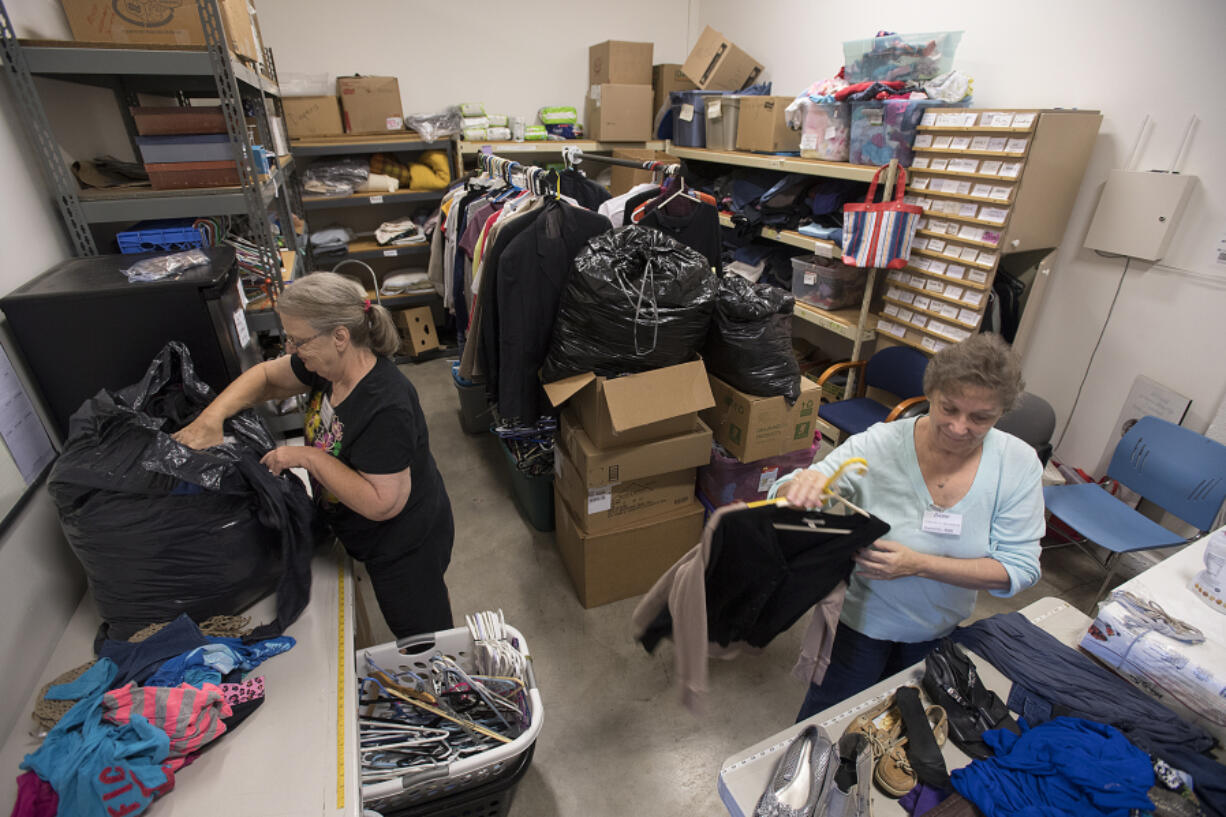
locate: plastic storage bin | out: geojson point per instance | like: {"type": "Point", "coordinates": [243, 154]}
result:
{"type": "Point", "coordinates": [483, 783]}
{"type": "Point", "coordinates": [727, 479]}
{"type": "Point", "coordinates": [900, 56]}
{"type": "Point", "coordinates": [882, 130]}
{"type": "Point", "coordinates": [692, 132]}
{"type": "Point", "coordinates": [826, 131]}
{"type": "Point", "coordinates": [533, 494]}
{"type": "Point", "coordinates": [168, 234]}
{"type": "Point", "coordinates": [475, 413]}
{"type": "Point", "coordinates": [826, 284]}
{"type": "Point", "coordinates": [722, 116]}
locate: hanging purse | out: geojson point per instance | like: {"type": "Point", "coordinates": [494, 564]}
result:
{"type": "Point", "coordinates": [879, 234]}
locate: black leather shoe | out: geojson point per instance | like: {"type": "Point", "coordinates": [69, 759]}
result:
{"type": "Point", "coordinates": [951, 680]}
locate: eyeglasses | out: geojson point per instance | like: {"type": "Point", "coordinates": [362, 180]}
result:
{"type": "Point", "coordinates": [290, 340]}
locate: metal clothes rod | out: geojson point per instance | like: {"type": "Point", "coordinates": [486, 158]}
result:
{"type": "Point", "coordinates": [573, 156]}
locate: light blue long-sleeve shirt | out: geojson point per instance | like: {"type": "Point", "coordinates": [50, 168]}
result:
{"type": "Point", "coordinates": [1002, 518]}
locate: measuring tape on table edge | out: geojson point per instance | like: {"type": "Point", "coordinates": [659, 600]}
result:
{"type": "Point", "coordinates": [340, 682]}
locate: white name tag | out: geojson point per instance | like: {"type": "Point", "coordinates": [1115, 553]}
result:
{"type": "Point", "coordinates": [326, 415]}
{"type": "Point", "coordinates": [946, 524]}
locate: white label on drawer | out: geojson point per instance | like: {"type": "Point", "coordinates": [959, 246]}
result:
{"type": "Point", "coordinates": [1023, 120]}
{"type": "Point", "coordinates": [906, 297]}
{"type": "Point", "coordinates": [908, 199]}
{"type": "Point", "coordinates": [808, 141]}
{"type": "Point", "coordinates": [714, 109]}
{"type": "Point", "coordinates": [905, 314]}
{"type": "Point", "coordinates": [961, 143]}
{"type": "Point", "coordinates": [964, 188]}
{"type": "Point", "coordinates": [394, 123]}
{"type": "Point", "coordinates": [964, 165]}
{"type": "Point", "coordinates": [934, 286]}
{"type": "Point", "coordinates": [873, 116]}
{"type": "Point", "coordinates": [979, 143]}
{"type": "Point", "coordinates": [996, 215]}
{"type": "Point", "coordinates": [920, 162]}
{"type": "Point", "coordinates": [919, 243]}
{"type": "Point", "coordinates": [919, 184]}
{"type": "Point", "coordinates": [946, 120]}
{"type": "Point", "coordinates": [896, 330]}
{"type": "Point", "coordinates": [930, 344]}
{"type": "Point", "coordinates": [949, 208]}
{"type": "Point", "coordinates": [960, 334]}
{"type": "Point", "coordinates": [946, 310]}
{"type": "Point", "coordinates": [919, 263]}
{"type": "Point", "coordinates": [929, 118]}
{"type": "Point", "coordinates": [376, 199]}
{"type": "Point", "coordinates": [922, 302]}
{"type": "Point", "coordinates": [924, 140]}
{"type": "Point", "coordinates": [687, 113]}
{"type": "Point", "coordinates": [921, 223]}
{"type": "Point", "coordinates": [1001, 120]}
{"type": "Point", "coordinates": [389, 253]}
{"type": "Point", "coordinates": [952, 227]}
{"type": "Point", "coordinates": [997, 144]}
{"type": "Point", "coordinates": [969, 317]}
{"type": "Point", "coordinates": [919, 320]}
{"type": "Point", "coordinates": [991, 236]}
{"type": "Point", "coordinates": [767, 478]}
{"type": "Point", "coordinates": [974, 298]}
{"type": "Point", "coordinates": [918, 280]}
{"type": "Point", "coordinates": [599, 500]}
{"type": "Point", "coordinates": [968, 210]}
{"type": "Point", "coordinates": [240, 326]}
{"type": "Point", "coordinates": [990, 168]}
{"type": "Point", "coordinates": [891, 309]}
{"type": "Point", "coordinates": [987, 258]}
{"type": "Point", "coordinates": [1017, 146]}
{"type": "Point", "coordinates": [940, 164]}
{"type": "Point", "coordinates": [968, 254]}
{"type": "Point", "coordinates": [937, 268]}
{"type": "Point", "coordinates": [970, 233]}
{"type": "Point", "coordinates": [937, 226]}
{"type": "Point", "coordinates": [955, 271]}
{"type": "Point", "coordinates": [999, 194]}
{"type": "Point", "coordinates": [936, 245]}
{"type": "Point", "coordinates": [954, 292]}
{"type": "Point", "coordinates": [978, 276]}
{"type": "Point", "coordinates": [942, 142]}
{"type": "Point", "coordinates": [982, 190]}
{"type": "Point", "coordinates": [969, 119]}
{"type": "Point", "coordinates": [958, 252]}
{"type": "Point", "coordinates": [810, 278]}
{"type": "Point", "coordinates": [1011, 170]}
{"type": "Point", "coordinates": [894, 275]}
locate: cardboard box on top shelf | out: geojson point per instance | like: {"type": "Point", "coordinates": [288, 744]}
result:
{"type": "Point", "coordinates": [624, 178]}
{"type": "Point", "coordinates": [310, 116]}
{"type": "Point", "coordinates": [666, 78]}
{"type": "Point", "coordinates": [159, 23]}
{"type": "Point", "coordinates": [615, 565]}
{"type": "Point", "coordinates": [417, 333]}
{"type": "Point", "coordinates": [370, 104]}
{"type": "Point", "coordinates": [619, 113]}
{"type": "Point", "coordinates": [620, 63]}
{"type": "Point", "coordinates": [598, 467]}
{"type": "Point", "coordinates": [753, 428]}
{"type": "Point", "coordinates": [716, 64]}
{"type": "Point", "coordinates": [763, 125]}
{"type": "Point", "coordinates": [635, 408]}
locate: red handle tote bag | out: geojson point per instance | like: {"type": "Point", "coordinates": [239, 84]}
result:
{"type": "Point", "coordinates": [879, 234]}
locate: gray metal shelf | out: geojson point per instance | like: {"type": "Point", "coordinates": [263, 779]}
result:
{"type": "Point", "coordinates": [366, 199]}
{"type": "Point", "coordinates": [340, 146]}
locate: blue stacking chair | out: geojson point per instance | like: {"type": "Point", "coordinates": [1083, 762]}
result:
{"type": "Point", "coordinates": [1179, 470]}
{"type": "Point", "coordinates": [898, 370]}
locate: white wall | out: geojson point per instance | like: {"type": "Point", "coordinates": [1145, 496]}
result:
{"type": "Point", "coordinates": [1125, 58]}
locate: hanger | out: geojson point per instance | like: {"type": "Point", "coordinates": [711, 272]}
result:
{"type": "Point", "coordinates": [858, 464]}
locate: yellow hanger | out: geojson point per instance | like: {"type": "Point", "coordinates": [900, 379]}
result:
{"type": "Point", "coordinates": [859, 464]}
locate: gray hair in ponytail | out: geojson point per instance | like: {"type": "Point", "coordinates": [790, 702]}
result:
{"type": "Point", "coordinates": [327, 301]}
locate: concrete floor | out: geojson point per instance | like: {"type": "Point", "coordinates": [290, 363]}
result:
{"type": "Point", "coordinates": [616, 741]}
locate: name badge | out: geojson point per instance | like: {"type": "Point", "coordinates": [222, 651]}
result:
{"type": "Point", "coordinates": [946, 524]}
{"type": "Point", "coordinates": [326, 414]}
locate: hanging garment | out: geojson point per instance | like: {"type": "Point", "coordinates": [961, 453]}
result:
{"type": "Point", "coordinates": [615, 208]}
{"type": "Point", "coordinates": [747, 581]}
{"type": "Point", "coordinates": [1048, 674]}
{"type": "Point", "coordinates": [587, 193]}
{"type": "Point", "coordinates": [695, 226]}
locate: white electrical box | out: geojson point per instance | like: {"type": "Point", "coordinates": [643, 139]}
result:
{"type": "Point", "coordinates": [1137, 213]}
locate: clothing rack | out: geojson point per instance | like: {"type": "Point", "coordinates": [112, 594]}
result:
{"type": "Point", "coordinates": [573, 156]}
{"type": "Point", "coordinates": [528, 177]}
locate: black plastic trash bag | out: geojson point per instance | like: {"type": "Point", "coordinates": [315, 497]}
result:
{"type": "Point", "coordinates": [162, 529]}
{"type": "Point", "coordinates": [750, 343]}
{"type": "Point", "coordinates": [636, 300]}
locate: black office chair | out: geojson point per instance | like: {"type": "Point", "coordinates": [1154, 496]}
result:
{"type": "Point", "coordinates": [1034, 422]}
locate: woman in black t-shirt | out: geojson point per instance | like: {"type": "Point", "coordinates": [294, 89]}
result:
{"type": "Point", "coordinates": [367, 448]}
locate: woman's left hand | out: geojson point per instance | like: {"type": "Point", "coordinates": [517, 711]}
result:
{"type": "Point", "coordinates": [886, 559]}
{"type": "Point", "coordinates": [285, 457]}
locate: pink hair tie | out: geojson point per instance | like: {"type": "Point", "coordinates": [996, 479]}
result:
{"type": "Point", "coordinates": [366, 305]}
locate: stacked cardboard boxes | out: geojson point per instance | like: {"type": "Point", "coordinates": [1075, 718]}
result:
{"type": "Point", "coordinates": [619, 96]}
{"type": "Point", "coordinates": [626, 461]}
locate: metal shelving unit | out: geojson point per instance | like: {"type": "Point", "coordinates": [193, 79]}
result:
{"type": "Point", "coordinates": [367, 199]}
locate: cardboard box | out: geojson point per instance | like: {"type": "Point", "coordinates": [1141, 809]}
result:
{"type": "Point", "coordinates": [370, 104]}
{"type": "Point", "coordinates": [158, 23]}
{"type": "Point", "coordinates": [619, 113]}
{"type": "Point", "coordinates": [620, 63]}
{"type": "Point", "coordinates": [636, 408]}
{"type": "Point", "coordinates": [307, 116]}
{"type": "Point", "coordinates": [613, 507]}
{"type": "Point", "coordinates": [763, 126]}
{"type": "Point", "coordinates": [716, 64]}
{"type": "Point", "coordinates": [607, 567]}
{"type": "Point", "coordinates": [666, 78]}
{"type": "Point", "coordinates": [416, 330]}
{"type": "Point", "coordinates": [599, 467]}
{"type": "Point", "coordinates": [753, 428]}
{"type": "Point", "coordinates": [624, 178]}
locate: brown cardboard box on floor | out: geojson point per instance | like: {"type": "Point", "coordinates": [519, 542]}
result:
{"type": "Point", "coordinates": [619, 113]}
{"type": "Point", "coordinates": [158, 23]}
{"type": "Point", "coordinates": [636, 408]}
{"type": "Point", "coordinates": [612, 507]}
{"type": "Point", "coordinates": [624, 178]}
{"type": "Point", "coordinates": [716, 64]}
{"type": "Point", "coordinates": [753, 428]}
{"type": "Point", "coordinates": [417, 332]}
{"type": "Point", "coordinates": [599, 467]}
{"type": "Point", "coordinates": [308, 116]}
{"type": "Point", "coordinates": [666, 78]}
{"type": "Point", "coordinates": [370, 104]}
{"type": "Point", "coordinates": [763, 125]}
{"type": "Point", "coordinates": [619, 62]}
{"type": "Point", "coordinates": [607, 567]}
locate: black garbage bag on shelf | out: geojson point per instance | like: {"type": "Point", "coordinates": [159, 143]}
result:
{"type": "Point", "coordinates": [162, 529]}
{"type": "Point", "coordinates": [749, 346]}
{"type": "Point", "coordinates": [636, 300]}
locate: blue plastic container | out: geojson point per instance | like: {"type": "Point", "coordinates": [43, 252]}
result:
{"type": "Point", "coordinates": [163, 234]}
{"type": "Point", "coordinates": [690, 132]}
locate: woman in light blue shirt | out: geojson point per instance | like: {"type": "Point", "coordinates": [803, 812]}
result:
{"type": "Point", "coordinates": [964, 503]}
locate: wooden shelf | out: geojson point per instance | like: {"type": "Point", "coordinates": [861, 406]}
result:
{"type": "Point", "coordinates": [363, 199]}
{"type": "Point", "coordinates": [817, 246]}
{"type": "Point", "coordinates": [983, 176]}
{"type": "Point", "coordinates": [786, 164]}
{"type": "Point", "coordinates": [931, 214]}
{"type": "Point", "coordinates": [949, 278]}
{"type": "Point", "coordinates": [906, 339]}
{"type": "Point", "coordinates": [941, 295]}
{"type": "Point", "coordinates": [555, 146]}
{"type": "Point", "coordinates": [930, 313]}
{"type": "Point", "coordinates": [913, 191]}
{"type": "Point", "coordinates": [375, 143]}
{"type": "Point", "coordinates": [972, 129]}
{"type": "Point", "coordinates": [958, 238]}
{"type": "Point", "coordinates": [998, 154]}
{"type": "Point", "coordinates": [371, 249]}
{"type": "Point", "coordinates": [842, 322]}
{"type": "Point", "coordinates": [951, 260]}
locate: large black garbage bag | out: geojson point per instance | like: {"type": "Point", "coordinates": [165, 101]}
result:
{"type": "Point", "coordinates": [636, 300]}
{"type": "Point", "coordinates": [750, 343]}
{"type": "Point", "coordinates": [162, 529]}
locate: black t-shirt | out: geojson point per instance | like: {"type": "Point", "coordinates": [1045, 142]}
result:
{"type": "Point", "coordinates": [699, 230]}
{"type": "Point", "coordinates": [378, 428]}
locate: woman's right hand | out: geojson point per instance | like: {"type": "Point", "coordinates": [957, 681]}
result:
{"type": "Point", "coordinates": [200, 433]}
{"type": "Point", "coordinates": [805, 489]}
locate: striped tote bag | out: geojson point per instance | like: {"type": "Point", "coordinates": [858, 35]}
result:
{"type": "Point", "coordinates": [878, 234]}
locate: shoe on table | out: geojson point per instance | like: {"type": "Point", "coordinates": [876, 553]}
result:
{"type": "Point", "coordinates": [894, 773]}
{"type": "Point", "coordinates": [880, 724]}
{"type": "Point", "coordinates": [849, 795]}
{"type": "Point", "coordinates": [802, 777]}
